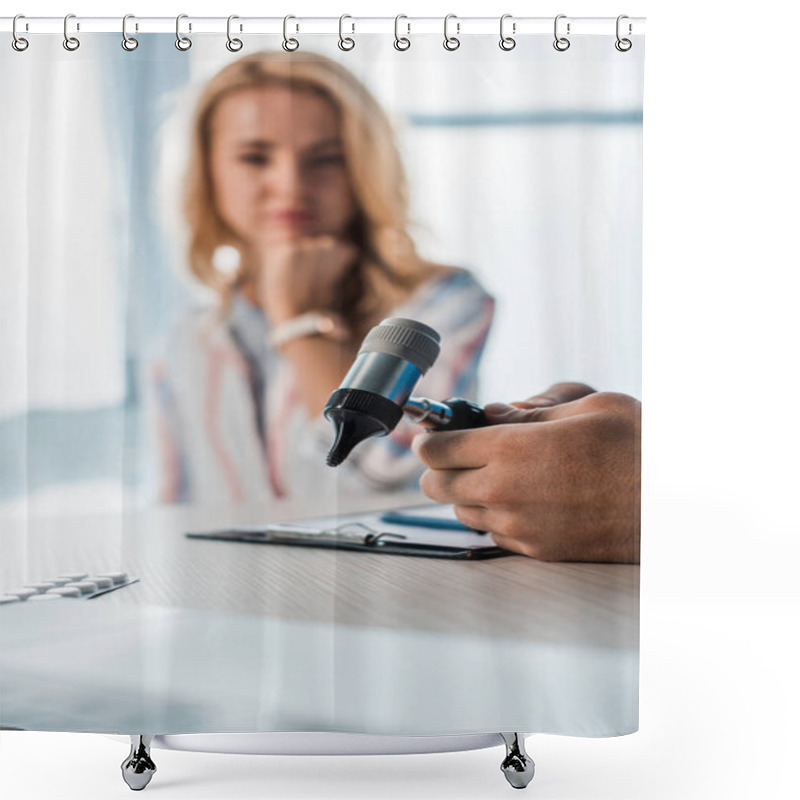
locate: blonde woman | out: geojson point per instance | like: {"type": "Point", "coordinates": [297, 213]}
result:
{"type": "Point", "coordinates": [293, 164]}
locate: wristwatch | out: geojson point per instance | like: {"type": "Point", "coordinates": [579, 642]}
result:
{"type": "Point", "coordinates": [312, 323]}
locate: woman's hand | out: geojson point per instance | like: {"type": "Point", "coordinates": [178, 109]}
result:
{"type": "Point", "coordinates": [295, 275]}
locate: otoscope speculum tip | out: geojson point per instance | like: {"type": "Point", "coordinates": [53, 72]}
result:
{"type": "Point", "coordinates": [370, 400]}
{"type": "Point", "coordinates": [352, 426]}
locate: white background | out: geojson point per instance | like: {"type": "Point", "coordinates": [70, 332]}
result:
{"type": "Point", "coordinates": [720, 604]}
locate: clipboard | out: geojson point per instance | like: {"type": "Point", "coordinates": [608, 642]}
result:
{"type": "Point", "coordinates": [368, 533]}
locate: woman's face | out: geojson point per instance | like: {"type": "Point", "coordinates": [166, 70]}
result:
{"type": "Point", "coordinates": [278, 168]}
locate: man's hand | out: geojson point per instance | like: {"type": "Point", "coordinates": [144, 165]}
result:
{"type": "Point", "coordinates": [552, 477]}
{"type": "Point", "coordinates": [558, 393]}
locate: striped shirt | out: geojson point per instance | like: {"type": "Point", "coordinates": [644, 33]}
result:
{"type": "Point", "coordinates": [228, 423]}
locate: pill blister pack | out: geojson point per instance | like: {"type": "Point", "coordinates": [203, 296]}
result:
{"type": "Point", "coordinates": [80, 586]}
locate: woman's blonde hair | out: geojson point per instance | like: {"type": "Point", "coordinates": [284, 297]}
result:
{"type": "Point", "coordinates": [388, 267]}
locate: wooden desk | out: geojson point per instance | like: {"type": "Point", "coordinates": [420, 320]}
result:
{"type": "Point", "coordinates": [231, 636]}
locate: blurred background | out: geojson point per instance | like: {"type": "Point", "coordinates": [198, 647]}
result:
{"type": "Point", "coordinates": [524, 167]}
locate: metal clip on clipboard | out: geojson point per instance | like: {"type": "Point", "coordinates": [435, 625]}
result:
{"type": "Point", "coordinates": [349, 536]}
{"type": "Point", "coordinates": [348, 532]}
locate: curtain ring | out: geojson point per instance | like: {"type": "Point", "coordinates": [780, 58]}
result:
{"type": "Point", "coordinates": [18, 42]}
{"type": "Point", "coordinates": [401, 42]}
{"type": "Point", "coordinates": [451, 42]}
{"type": "Point", "coordinates": [290, 45]}
{"type": "Point", "coordinates": [561, 43]}
{"type": "Point", "coordinates": [345, 42]}
{"type": "Point", "coordinates": [71, 43]}
{"type": "Point", "coordinates": [181, 42]}
{"type": "Point", "coordinates": [234, 45]}
{"type": "Point", "coordinates": [623, 45]}
{"type": "Point", "coordinates": [507, 42]}
{"type": "Point", "coordinates": [128, 42]}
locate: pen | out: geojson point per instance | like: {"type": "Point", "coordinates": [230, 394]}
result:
{"type": "Point", "coordinates": [439, 523]}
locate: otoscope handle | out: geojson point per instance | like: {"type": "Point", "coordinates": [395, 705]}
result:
{"type": "Point", "coordinates": [465, 415]}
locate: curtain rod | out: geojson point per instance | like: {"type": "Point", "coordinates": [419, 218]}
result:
{"type": "Point", "coordinates": [461, 26]}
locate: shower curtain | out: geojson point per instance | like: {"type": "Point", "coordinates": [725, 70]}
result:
{"type": "Point", "coordinates": [198, 232]}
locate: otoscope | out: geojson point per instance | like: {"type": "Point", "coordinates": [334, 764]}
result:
{"type": "Point", "coordinates": [376, 392]}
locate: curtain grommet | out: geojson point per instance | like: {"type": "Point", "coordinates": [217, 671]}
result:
{"type": "Point", "coordinates": [129, 43]}
{"type": "Point", "coordinates": [71, 43]}
{"type": "Point", "coordinates": [233, 44]}
{"type": "Point", "coordinates": [507, 43]}
{"type": "Point", "coordinates": [401, 43]}
{"type": "Point", "coordinates": [346, 43]}
{"type": "Point", "coordinates": [289, 44]}
{"type": "Point", "coordinates": [561, 43]}
{"type": "Point", "coordinates": [182, 42]}
{"type": "Point", "coordinates": [19, 43]}
{"type": "Point", "coordinates": [451, 43]}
